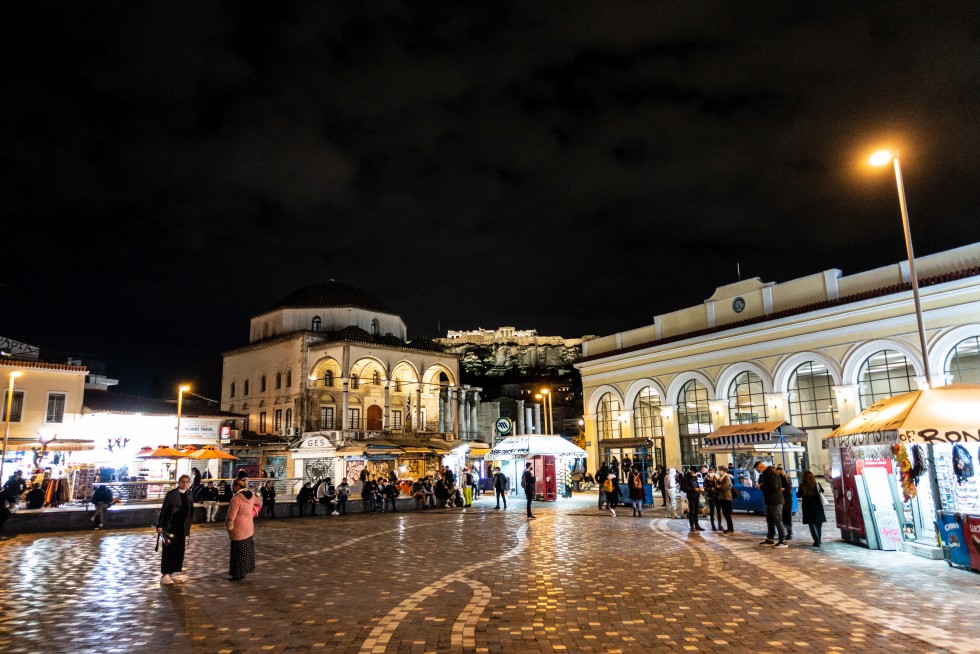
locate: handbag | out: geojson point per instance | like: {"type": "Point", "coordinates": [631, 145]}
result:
{"type": "Point", "coordinates": [823, 499]}
{"type": "Point", "coordinates": [255, 510]}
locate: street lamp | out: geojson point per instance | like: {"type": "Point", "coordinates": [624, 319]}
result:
{"type": "Point", "coordinates": [180, 407]}
{"type": "Point", "coordinates": [6, 434]}
{"type": "Point", "coordinates": [882, 158]}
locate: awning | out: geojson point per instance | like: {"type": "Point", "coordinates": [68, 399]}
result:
{"type": "Point", "coordinates": [522, 447]}
{"type": "Point", "coordinates": [751, 435]}
{"type": "Point", "coordinates": [945, 414]}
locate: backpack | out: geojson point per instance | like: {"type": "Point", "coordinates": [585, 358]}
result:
{"type": "Point", "coordinates": [962, 463]}
{"type": "Point", "coordinates": [469, 480]}
{"type": "Point", "coordinates": [607, 486]}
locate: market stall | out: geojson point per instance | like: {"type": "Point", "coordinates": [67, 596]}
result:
{"type": "Point", "coordinates": [552, 458]}
{"type": "Point", "coordinates": [907, 465]}
{"type": "Point", "coordinates": [773, 442]}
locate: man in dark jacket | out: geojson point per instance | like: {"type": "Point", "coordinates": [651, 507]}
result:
{"type": "Point", "coordinates": [787, 501]}
{"type": "Point", "coordinates": [772, 493]}
{"type": "Point", "coordinates": [174, 526]}
{"type": "Point", "coordinates": [691, 488]}
{"type": "Point", "coordinates": [500, 487]}
{"type": "Point", "coordinates": [527, 483]}
{"type": "Point", "coordinates": [600, 477]}
{"type": "Point", "coordinates": [102, 500]}
{"type": "Point", "coordinates": [306, 497]}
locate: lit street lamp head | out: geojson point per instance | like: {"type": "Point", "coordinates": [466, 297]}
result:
{"type": "Point", "coordinates": [882, 158]}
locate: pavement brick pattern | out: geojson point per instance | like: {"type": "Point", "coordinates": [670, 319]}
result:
{"type": "Point", "coordinates": [480, 580]}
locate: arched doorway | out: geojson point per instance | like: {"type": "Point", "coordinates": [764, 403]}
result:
{"type": "Point", "coordinates": [374, 418]}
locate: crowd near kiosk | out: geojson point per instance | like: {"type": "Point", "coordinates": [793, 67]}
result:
{"type": "Point", "coordinates": [775, 442]}
{"type": "Point", "coordinates": [552, 457]}
{"type": "Point", "coordinates": [904, 474]}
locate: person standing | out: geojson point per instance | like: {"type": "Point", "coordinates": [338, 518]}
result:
{"type": "Point", "coordinates": [771, 486]}
{"type": "Point", "coordinates": [672, 484]}
{"type": "Point", "coordinates": [527, 483]}
{"type": "Point", "coordinates": [611, 488]}
{"type": "Point", "coordinates": [102, 499]}
{"type": "Point", "coordinates": [692, 489]}
{"type": "Point", "coordinates": [724, 490]}
{"type": "Point", "coordinates": [600, 478]}
{"type": "Point", "coordinates": [468, 485]}
{"type": "Point", "coordinates": [635, 483]}
{"type": "Point", "coordinates": [711, 497]}
{"type": "Point", "coordinates": [244, 506]}
{"type": "Point", "coordinates": [16, 485]}
{"type": "Point", "coordinates": [174, 525]}
{"type": "Point", "coordinates": [268, 498]}
{"type": "Point", "coordinates": [209, 498]}
{"type": "Point", "coordinates": [811, 504]}
{"type": "Point", "coordinates": [500, 487]}
{"type": "Point", "coordinates": [787, 501]}
{"type": "Point", "coordinates": [195, 484]}
{"type": "Point", "coordinates": [660, 482]}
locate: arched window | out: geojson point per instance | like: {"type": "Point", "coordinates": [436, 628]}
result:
{"type": "Point", "coordinates": [812, 402]}
{"type": "Point", "coordinates": [646, 414]}
{"type": "Point", "coordinates": [746, 399]}
{"type": "Point", "coordinates": [245, 385]}
{"type": "Point", "coordinates": [289, 379]}
{"type": "Point", "coordinates": [693, 422]}
{"type": "Point", "coordinates": [884, 374]}
{"type": "Point", "coordinates": [262, 384]}
{"type": "Point", "coordinates": [608, 417]}
{"type": "Point", "coordinates": [327, 378]}
{"type": "Point", "coordinates": [375, 327]}
{"type": "Point", "coordinates": [648, 423]}
{"type": "Point", "coordinates": [316, 323]}
{"type": "Point", "coordinates": [376, 378]}
{"type": "Point", "coordinates": [354, 381]}
{"type": "Point", "coordinates": [278, 380]}
{"type": "Point", "coordinates": [232, 390]}
{"type": "Point", "coordinates": [963, 363]}
{"type": "Point", "coordinates": [289, 419]}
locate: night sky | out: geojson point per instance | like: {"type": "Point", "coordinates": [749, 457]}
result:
{"type": "Point", "coordinates": [171, 169]}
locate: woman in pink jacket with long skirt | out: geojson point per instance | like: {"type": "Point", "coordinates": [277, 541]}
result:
{"type": "Point", "coordinates": [242, 509]}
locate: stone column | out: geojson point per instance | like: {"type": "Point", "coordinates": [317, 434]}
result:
{"type": "Point", "coordinates": [458, 417]}
{"type": "Point", "coordinates": [464, 418]}
{"type": "Point", "coordinates": [537, 419]}
{"type": "Point", "coordinates": [528, 420]}
{"type": "Point", "coordinates": [387, 420]}
{"type": "Point", "coordinates": [344, 406]}
{"type": "Point", "coordinates": [520, 418]}
{"type": "Point", "coordinates": [442, 410]}
{"type": "Point", "coordinates": [418, 409]}
{"type": "Point", "coordinates": [475, 417]}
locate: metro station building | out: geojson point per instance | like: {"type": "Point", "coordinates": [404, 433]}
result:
{"type": "Point", "coordinates": [813, 351]}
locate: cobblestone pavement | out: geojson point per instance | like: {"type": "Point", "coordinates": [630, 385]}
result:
{"type": "Point", "coordinates": [481, 580]}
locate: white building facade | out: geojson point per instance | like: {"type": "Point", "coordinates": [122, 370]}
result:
{"type": "Point", "coordinates": [813, 351]}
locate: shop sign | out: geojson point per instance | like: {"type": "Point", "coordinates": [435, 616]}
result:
{"type": "Point", "coordinates": [935, 436]}
{"type": "Point", "coordinates": [314, 442]}
{"type": "Point", "coordinates": [860, 440]}
{"type": "Point", "coordinates": [198, 428]}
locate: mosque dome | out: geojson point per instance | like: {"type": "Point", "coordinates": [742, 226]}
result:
{"type": "Point", "coordinates": [331, 294]}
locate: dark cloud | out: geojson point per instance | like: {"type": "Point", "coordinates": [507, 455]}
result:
{"type": "Point", "coordinates": [572, 167]}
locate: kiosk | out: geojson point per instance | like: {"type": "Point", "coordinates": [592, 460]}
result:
{"type": "Point", "coordinates": [552, 458]}
{"type": "Point", "coordinates": [757, 440]}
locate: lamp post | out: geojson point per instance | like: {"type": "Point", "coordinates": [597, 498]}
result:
{"type": "Point", "coordinates": [6, 434]}
{"type": "Point", "coordinates": [183, 388]}
{"type": "Point", "coordinates": [551, 415]}
{"type": "Point", "coordinates": [882, 158]}
{"type": "Point", "coordinates": [545, 397]}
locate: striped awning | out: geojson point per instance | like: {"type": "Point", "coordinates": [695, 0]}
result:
{"type": "Point", "coordinates": [744, 437]}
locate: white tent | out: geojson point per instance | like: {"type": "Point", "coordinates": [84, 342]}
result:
{"type": "Point", "coordinates": [523, 447]}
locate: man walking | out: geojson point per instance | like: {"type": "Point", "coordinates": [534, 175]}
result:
{"type": "Point", "coordinates": [772, 492]}
{"type": "Point", "coordinates": [600, 478]}
{"type": "Point", "coordinates": [527, 483]}
{"type": "Point", "coordinates": [500, 487]}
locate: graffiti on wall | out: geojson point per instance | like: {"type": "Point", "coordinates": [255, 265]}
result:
{"type": "Point", "coordinates": [316, 469]}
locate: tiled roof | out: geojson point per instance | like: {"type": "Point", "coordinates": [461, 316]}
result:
{"type": "Point", "coordinates": [98, 401]}
{"type": "Point", "coordinates": [42, 365]}
{"type": "Point", "coordinates": [785, 313]}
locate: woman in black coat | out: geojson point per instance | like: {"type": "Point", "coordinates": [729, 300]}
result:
{"type": "Point", "coordinates": [612, 492]}
{"type": "Point", "coordinates": [811, 495]}
{"type": "Point", "coordinates": [174, 524]}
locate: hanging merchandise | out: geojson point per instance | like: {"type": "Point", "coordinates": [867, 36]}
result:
{"type": "Point", "coordinates": [962, 463]}
{"type": "Point", "coordinates": [905, 466]}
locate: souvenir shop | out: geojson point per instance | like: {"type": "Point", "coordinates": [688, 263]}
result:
{"type": "Point", "coordinates": [553, 458]}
